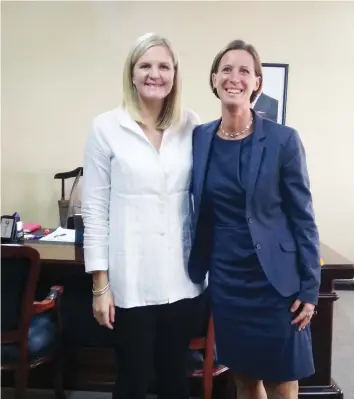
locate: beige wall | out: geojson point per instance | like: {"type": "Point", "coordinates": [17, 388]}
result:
{"type": "Point", "coordinates": [62, 64]}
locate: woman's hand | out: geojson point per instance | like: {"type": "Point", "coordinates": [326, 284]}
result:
{"type": "Point", "coordinates": [103, 309]}
{"type": "Point", "coordinates": [305, 316]}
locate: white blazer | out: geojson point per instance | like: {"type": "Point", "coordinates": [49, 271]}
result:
{"type": "Point", "coordinates": [136, 209]}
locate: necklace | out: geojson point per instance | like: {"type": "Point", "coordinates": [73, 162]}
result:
{"type": "Point", "coordinates": [233, 135]}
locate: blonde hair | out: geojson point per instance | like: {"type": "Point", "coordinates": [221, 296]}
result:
{"type": "Point", "coordinates": [238, 45]}
{"type": "Point", "coordinates": [171, 110]}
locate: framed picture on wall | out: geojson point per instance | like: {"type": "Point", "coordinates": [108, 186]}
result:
{"type": "Point", "coordinates": [271, 103]}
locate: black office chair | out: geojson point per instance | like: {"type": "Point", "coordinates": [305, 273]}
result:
{"type": "Point", "coordinates": [66, 220]}
{"type": "Point", "coordinates": [30, 330]}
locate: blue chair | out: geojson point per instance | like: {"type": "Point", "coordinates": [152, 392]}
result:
{"type": "Point", "coordinates": [30, 330]}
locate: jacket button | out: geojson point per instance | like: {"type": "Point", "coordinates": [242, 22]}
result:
{"type": "Point", "coordinates": [250, 220]}
{"type": "Point", "coordinates": [258, 246]}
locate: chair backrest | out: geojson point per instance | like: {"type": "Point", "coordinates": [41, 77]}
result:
{"type": "Point", "coordinates": [20, 268]}
{"type": "Point", "coordinates": [71, 206]}
{"type": "Point", "coordinates": [68, 175]}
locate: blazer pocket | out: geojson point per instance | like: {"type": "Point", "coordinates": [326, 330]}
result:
{"type": "Point", "coordinates": [288, 246]}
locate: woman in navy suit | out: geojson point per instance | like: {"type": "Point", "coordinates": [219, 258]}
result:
{"type": "Point", "coordinates": [255, 233]}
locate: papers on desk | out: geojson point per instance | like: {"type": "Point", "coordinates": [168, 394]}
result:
{"type": "Point", "coordinates": [60, 235]}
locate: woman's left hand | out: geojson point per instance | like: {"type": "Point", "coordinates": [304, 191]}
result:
{"type": "Point", "coordinates": [305, 316]}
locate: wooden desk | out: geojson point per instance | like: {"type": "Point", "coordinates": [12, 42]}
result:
{"type": "Point", "coordinates": [58, 253]}
{"type": "Point", "coordinates": [92, 361]}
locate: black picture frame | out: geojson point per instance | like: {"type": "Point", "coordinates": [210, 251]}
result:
{"type": "Point", "coordinates": [271, 103]}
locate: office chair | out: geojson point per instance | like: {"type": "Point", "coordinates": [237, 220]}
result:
{"type": "Point", "coordinates": [66, 219]}
{"type": "Point", "coordinates": [202, 360]}
{"type": "Point", "coordinates": [30, 330]}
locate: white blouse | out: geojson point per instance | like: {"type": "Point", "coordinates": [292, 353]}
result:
{"type": "Point", "coordinates": [136, 209]}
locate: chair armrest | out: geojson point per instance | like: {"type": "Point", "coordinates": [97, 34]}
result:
{"type": "Point", "coordinates": [50, 301]}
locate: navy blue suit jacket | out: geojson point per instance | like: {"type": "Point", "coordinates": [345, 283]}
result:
{"type": "Point", "coordinates": [278, 209]}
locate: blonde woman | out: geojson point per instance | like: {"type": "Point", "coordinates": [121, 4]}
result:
{"type": "Point", "coordinates": [136, 212]}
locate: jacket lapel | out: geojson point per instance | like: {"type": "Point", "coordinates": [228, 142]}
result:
{"type": "Point", "coordinates": [256, 154]}
{"type": "Point", "coordinates": [201, 157]}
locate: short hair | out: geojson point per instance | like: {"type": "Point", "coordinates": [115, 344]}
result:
{"type": "Point", "coordinates": [171, 110]}
{"type": "Point", "coordinates": [238, 45]}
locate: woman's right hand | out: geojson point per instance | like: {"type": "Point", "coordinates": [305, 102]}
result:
{"type": "Point", "coordinates": [103, 309]}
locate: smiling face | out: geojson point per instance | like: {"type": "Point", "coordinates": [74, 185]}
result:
{"type": "Point", "coordinates": [153, 74]}
{"type": "Point", "coordinates": [235, 79]}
